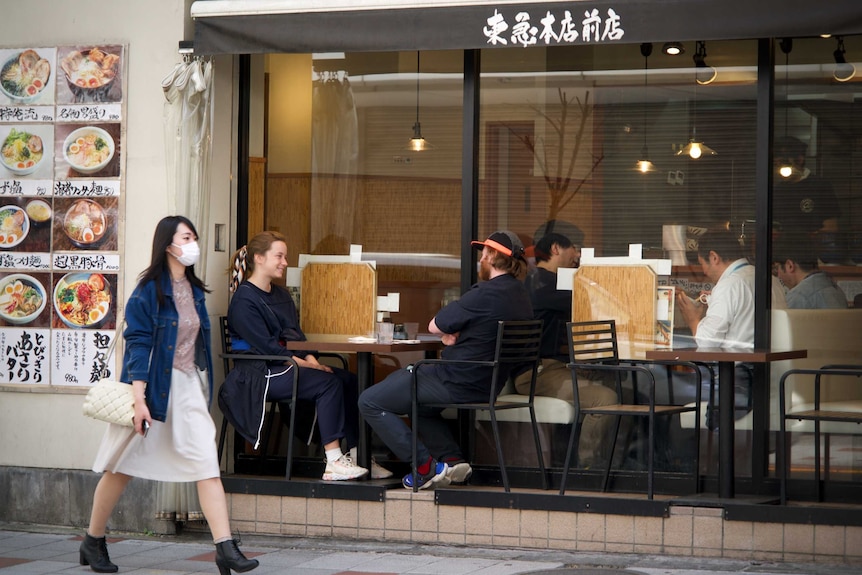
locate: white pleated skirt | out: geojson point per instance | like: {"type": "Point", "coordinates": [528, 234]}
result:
{"type": "Point", "coordinates": [181, 449]}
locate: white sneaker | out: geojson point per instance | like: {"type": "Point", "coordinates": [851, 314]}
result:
{"type": "Point", "coordinates": [378, 471]}
{"type": "Point", "coordinates": [343, 469]}
{"type": "Point", "coordinates": [459, 472]}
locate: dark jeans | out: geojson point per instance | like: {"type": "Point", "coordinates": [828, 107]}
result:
{"type": "Point", "coordinates": [383, 404]}
{"type": "Point", "coordinates": [334, 394]}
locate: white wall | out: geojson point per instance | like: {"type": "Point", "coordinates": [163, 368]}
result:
{"type": "Point", "coordinates": [47, 429]}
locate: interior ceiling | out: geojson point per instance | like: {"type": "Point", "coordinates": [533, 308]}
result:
{"type": "Point", "coordinates": [612, 72]}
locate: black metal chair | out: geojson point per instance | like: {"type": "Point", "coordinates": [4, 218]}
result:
{"type": "Point", "coordinates": [518, 344]}
{"type": "Point", "coordinates": [227, 357]}
{"type": "Point", "coordinates": [593, 347]}
{"type": "Point", "coordinates": [817, 414]}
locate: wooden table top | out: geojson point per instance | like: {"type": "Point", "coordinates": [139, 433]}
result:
{"type": "Point", "coordinates": [329, 342]}
{"type": "Point", "coordinates": [725, 354]}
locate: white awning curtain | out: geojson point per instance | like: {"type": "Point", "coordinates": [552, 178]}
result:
{"type": "Point", "coordinates": [304, 26]}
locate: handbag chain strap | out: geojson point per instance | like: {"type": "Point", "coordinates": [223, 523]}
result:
{"type": "Point", "coordinates": [103, 373]}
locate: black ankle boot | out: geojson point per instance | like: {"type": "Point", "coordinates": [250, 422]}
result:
{"type": "Point", "coordinates": [228, 556]}
{"type": "Point", "coordinates": [94, 552]}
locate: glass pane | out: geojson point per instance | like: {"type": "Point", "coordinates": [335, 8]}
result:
{"type": "Point", "coordinates": [817, 231]}
{"type": "Point", "coordinates": [339, 171]}
{"type": "Point", "coordinates": [563, 130]}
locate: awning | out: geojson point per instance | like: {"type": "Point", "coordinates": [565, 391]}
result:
{"type": "Point", "coordinates": [304, 26]}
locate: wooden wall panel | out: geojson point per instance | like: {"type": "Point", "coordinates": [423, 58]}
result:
{"type": "Point", "coordinates": [256, 195]}
{"type": "Point", "coordinates": [288, 205]}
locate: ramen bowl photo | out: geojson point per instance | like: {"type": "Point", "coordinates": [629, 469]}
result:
{"type": "Point", "coordinates": [22, 298]}
{"type": "Point", "coordinates": [88, 150]}
{"type": "Point", "coordinates": [21, 152]}
{"type": "Point", "coordinates": [85, 223]}
{"type": "Point", "coordinates": [82, 299]}
{"type": "Point", "coordinates": [90, 73]}
{"type": "Point", "coordinates": [14, 225]}
{"type": "Point", "coordinates": [24, 76]}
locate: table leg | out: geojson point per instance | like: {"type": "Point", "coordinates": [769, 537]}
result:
{"type": "Point", "coordinates": [726, 405]}
{"type": "Point", "coordinates": [364, 377]}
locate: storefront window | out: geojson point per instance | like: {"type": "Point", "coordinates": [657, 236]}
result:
{"type": "Point", "coordinates": [339, 171]}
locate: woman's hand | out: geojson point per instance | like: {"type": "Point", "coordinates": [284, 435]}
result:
{"type": "Point", "coordinates": [311, 362]}
{"type": "Point", "coordinates": [142, 412]}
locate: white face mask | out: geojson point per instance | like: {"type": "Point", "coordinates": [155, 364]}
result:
{"type": "Point", "coordinates": [190, 255]}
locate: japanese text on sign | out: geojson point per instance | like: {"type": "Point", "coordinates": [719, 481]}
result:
{"type": "Point", "coordinates": [591, 28]}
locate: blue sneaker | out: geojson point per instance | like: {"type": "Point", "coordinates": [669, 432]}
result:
{"type": "Point", "coordinates": [436, 474]}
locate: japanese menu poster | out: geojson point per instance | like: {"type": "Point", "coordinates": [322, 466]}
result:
{"type": "Point", "coordinates": [61, 180]}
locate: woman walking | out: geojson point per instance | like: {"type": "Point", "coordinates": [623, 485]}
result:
{"type": "Point", "coordinates": [168, 362]}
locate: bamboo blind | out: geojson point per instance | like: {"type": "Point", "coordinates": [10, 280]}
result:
{"type": "Point", "coordinates": [338, 299]}
{"type": "Point", "coordinates": [626, 294]}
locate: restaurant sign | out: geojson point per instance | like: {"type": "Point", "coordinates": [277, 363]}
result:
{"type": "Point", "coordinates": [551, 30]}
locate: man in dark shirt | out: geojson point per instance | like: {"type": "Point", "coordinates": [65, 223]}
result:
{"type": "Point", "coordinates": [804, 202]}
{"type": "Point", "coordinates": [554, 307]}
{"type": "Point", "coordinates": [468, 329]}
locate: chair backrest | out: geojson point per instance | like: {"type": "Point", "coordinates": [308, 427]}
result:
{"type": "Point", "coordinates": [593, 342]}
{"type": "Point", "coordinates": [225, 341]}
{"type": "Point", "coordinates": [518, 344]}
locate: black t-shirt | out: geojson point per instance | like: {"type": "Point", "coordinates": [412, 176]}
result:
{"type": "Point", "coordinates": [474, 317]}
{"type": "Point", "coordinates": [554, 307]}
{"type": "Point", "coordinates": [803, 206]}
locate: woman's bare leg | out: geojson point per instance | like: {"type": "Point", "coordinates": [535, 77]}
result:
{"type": "Point", "coordinates": [105, 498]}
{"type": "Point", "coordinates": [214, 506]}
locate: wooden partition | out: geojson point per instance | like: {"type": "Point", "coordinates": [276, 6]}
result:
{"type": "Point", "coordinates": [625, 293]}
{"type": "Point", "coordinates": [338, 298]}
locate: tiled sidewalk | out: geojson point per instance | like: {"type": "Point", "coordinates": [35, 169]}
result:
{"type": "Point", "coordinates": [56, 552]}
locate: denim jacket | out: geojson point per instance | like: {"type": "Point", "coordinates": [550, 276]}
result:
{"type": "Point", "coordinates": [151, 334]}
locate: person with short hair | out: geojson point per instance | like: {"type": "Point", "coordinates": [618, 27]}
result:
{"type": "Point", "coordinates": [468, 330]}
{"type": "Point", "coordinates": [795, 264]}
{"type": "Point", "coordinates": [554, 308]}
{"type": "Point", "coordinates": [727, 320]}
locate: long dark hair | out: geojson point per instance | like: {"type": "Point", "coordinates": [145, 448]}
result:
{"type": "Point", "coordinates": [162, 238]}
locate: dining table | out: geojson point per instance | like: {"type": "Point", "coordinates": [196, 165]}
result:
{"type": "Point", "coordinates": [726, 357]}
{"type": "Point", "coordinates": [365, 348]}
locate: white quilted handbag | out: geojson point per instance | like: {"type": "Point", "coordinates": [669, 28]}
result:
{"type": "Point", "coordinates": [110, 400]}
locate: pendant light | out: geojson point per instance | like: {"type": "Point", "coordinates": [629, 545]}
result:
{"type": "Point", "coordinates": [785, 170]}
{"type": "Point", "coordinates": [844, 70]}
{"type": "Point", "coordinates": [417, 143]}
{"type": "Point", "coordinates": [695, 148]}
{"type": "Point", "coordinates": [644, 165]}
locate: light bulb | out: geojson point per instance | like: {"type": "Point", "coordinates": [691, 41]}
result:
{"type": "Point", "coordinates": [785, 171]}
{"type": "Point", "coordinates": [695, 151]}
{"type": "Point", "coordinates": [644, 166]}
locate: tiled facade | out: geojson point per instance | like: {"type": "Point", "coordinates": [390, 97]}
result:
{"type": "Point", "coordinates": [415, 517]}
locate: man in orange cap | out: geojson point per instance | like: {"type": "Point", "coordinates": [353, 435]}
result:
{"type": "Point", "coordinates": [468, 329]}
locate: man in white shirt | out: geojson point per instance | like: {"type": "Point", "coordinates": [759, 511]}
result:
{"type": "Point", "coordinates": [727, 319]}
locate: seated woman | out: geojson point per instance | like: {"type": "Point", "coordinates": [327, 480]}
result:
{"type": "Point", "coordinates": [261, 318]}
